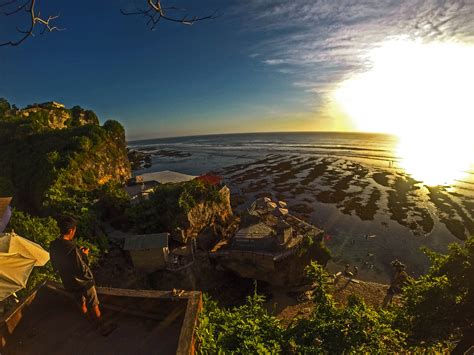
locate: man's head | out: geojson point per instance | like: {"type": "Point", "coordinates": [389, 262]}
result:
{"type": "Point", "coordinates": [67, 227]}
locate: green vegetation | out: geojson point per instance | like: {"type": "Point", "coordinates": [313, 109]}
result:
{"type": "Point", "coordinates": [435, 311]}
{"type": "Point", "coordinates": [54, 162]}
{"type": "Point", "coordinates": [51, 171]}
{"type": "Point", "coordinates": [439, 306]}
{"type": "Point", "coordinates": [168, 205]}
{"type": "Point", "coordinates": [247, 329]}
{"type": "Point", "coordinates": [355, 328]}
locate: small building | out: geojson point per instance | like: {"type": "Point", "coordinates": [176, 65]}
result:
{"type": "Point", "coordinates": [211, 179]}
{"type": "Point", "coordinates": [164, 177]}
{"type": "Point", "coordinates": [141, 185]}
{"type": "Point", "coordinates": [135, 190]}
{"type": "Point", "coordinates": [51, 105]}
{"type": "Point", "coordinates": [149, 252]}
{"type": "Point", "coordinates": [257, 236]}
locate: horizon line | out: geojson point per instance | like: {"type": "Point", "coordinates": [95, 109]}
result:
{"type": "Point", "coordinates": [243, 133]}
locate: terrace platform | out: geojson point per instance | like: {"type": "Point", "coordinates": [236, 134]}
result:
{"type": "Point", "coordinates": [148, 322]}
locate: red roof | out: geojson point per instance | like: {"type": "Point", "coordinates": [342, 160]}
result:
{"type": "Point", "coordinates": [210, 179]}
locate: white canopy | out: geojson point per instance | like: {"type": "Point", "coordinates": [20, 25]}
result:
{"type": "Point", "coordinates": [18, 256]}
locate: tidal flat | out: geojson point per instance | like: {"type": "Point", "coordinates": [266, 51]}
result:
{"type": "Point", "coordinates": [372, 214]}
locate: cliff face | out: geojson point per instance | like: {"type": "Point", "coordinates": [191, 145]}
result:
{"type": "Point", "coordinates": [50, 153]}
{"type": "Point", "coordinates": [207, 221]}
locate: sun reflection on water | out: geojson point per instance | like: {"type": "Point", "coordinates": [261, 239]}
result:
{"type": "Point", "coordinates": [422, 92]}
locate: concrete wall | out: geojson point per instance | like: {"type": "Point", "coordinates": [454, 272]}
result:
{"type": "Point", "coordinates": [262, 244]}
{"type": "Point", "coordinates": [148, 260]}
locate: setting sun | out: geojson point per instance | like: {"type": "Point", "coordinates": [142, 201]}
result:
{"type": "Point", "coordinates": [422, 92]}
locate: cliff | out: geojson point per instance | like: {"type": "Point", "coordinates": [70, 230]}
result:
{"type": "Point", "coordinates": [51, 155]}
{"type": "Point", "coordinates": [192, 209]}
{"type": "Point", "coordinates": [208, 221]}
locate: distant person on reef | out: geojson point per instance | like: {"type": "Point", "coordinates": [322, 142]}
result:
{"type": "Point", "coordinates": [400, 278]}
{"type": "Point", "coordinates": [72, 264]}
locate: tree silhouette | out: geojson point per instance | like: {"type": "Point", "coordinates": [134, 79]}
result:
{"type": "Point", "coordinates": [153, 10]}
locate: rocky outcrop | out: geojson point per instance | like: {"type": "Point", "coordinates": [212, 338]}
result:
{"type": "Point", "coordinates": [207, 221]}
{"type": "Point", "coordinates": [53, 115]}
{"type": "Point", "coordinates": [51, 154]}
{"type": "Point", "coordinates": [272, 245]}
{"type": "Point", "coordinates": [139, 159]}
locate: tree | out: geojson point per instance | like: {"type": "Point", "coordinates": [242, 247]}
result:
{"type": "Point", "coordinates": [4, 106]}
{"type": "Point", "coordinates": [440, 304]}
{"type": "Point", "coordinates": [153, 10]}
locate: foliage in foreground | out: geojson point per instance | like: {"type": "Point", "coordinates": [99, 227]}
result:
{"type": "Point", "coordinates": [439, 306]}
{"type": "Point", "coordinates": [246, 329]}
{"type": "Point", "coordinates": [354, 328]}
{"type": "Point", "coordinates": [329, 329]}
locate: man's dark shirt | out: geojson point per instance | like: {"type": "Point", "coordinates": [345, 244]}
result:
{"type": "Point", "coordinates": [69, 261]}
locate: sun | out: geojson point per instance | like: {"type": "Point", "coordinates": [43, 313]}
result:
{"type": "Point", "coordinates": [424, 93]}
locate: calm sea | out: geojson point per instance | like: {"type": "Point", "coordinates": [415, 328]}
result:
{"type": "Point", "coordinates": [200, 154]}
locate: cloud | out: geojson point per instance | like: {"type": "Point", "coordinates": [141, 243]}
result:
{"type": "Point", "coordinates": [274, 61]}
{"type": "Point", "coordinates": [322, 42]}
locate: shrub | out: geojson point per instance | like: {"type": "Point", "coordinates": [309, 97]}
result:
{"type": "Point", "coordinates": [247, 329]}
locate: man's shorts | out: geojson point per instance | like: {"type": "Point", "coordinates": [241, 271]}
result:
{"type": "Point", "coordinates": [89, 297]}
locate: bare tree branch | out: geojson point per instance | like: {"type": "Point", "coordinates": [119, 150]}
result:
{"type": "Point", "coordinates": [35, 19]}
{"type": "Point", "coordinates": [152, 10]}
{"type": "Point", "coordinates": [155, 11]}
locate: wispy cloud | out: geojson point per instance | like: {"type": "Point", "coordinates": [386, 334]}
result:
{"type": "Point", "coordinates": [320, 42]}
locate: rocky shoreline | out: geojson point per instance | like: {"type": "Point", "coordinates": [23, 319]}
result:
{"type": "Point", "coordinates": [352, 199]}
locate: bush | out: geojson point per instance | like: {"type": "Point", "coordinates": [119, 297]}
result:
{"type": "Point", "coordinates": [439, 306]}
{"type": "Point", "coordinates": [249, 329]}
{"type": "Point", "coordinates": [4, 106]}
{"type": "Point", "coordinates": [246, 329]}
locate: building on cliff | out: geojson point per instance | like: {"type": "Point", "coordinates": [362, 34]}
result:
{"type": "Point", "coordinates": [51, 105]}
{"type": "Point", "coordinates": [271, 245]}
{"type": "Point", "coordinates": [141, 185]}
{"type": "Point", "coordinates": [264, 237]}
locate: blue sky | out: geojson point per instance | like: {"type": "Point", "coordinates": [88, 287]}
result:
{"type": "Point", "coordinates": [264, 65]}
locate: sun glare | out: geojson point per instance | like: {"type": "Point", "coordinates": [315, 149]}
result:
{"type": "Point", "coordinates": [424, 93]}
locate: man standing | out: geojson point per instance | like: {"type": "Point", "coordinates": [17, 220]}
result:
{"type": "Point", "coordinates": [399, 280]}
{"type": "Point", "coordinates": [72, 264]}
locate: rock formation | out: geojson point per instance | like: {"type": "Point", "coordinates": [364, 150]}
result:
{"type": "Point", "coordinates": [208, 221]}
{"type": "Point", "coordinates": [48, 151]}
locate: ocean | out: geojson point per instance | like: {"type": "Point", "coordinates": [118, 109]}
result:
{"type": "Point", "coordinates": [348, 184]}
{"type": "Point", "coordinates": [197, 155]}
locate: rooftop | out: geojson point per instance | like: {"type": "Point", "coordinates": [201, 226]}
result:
{"type": "Point", "coordinates": [148, 322]}
{"type": "Point", "coordinates": [165, 177]}
{"type": "Point", "coordinates": [255, 231]}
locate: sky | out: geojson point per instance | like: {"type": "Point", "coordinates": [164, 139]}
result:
{"type": "Point", "coordinates": [261, 66]}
